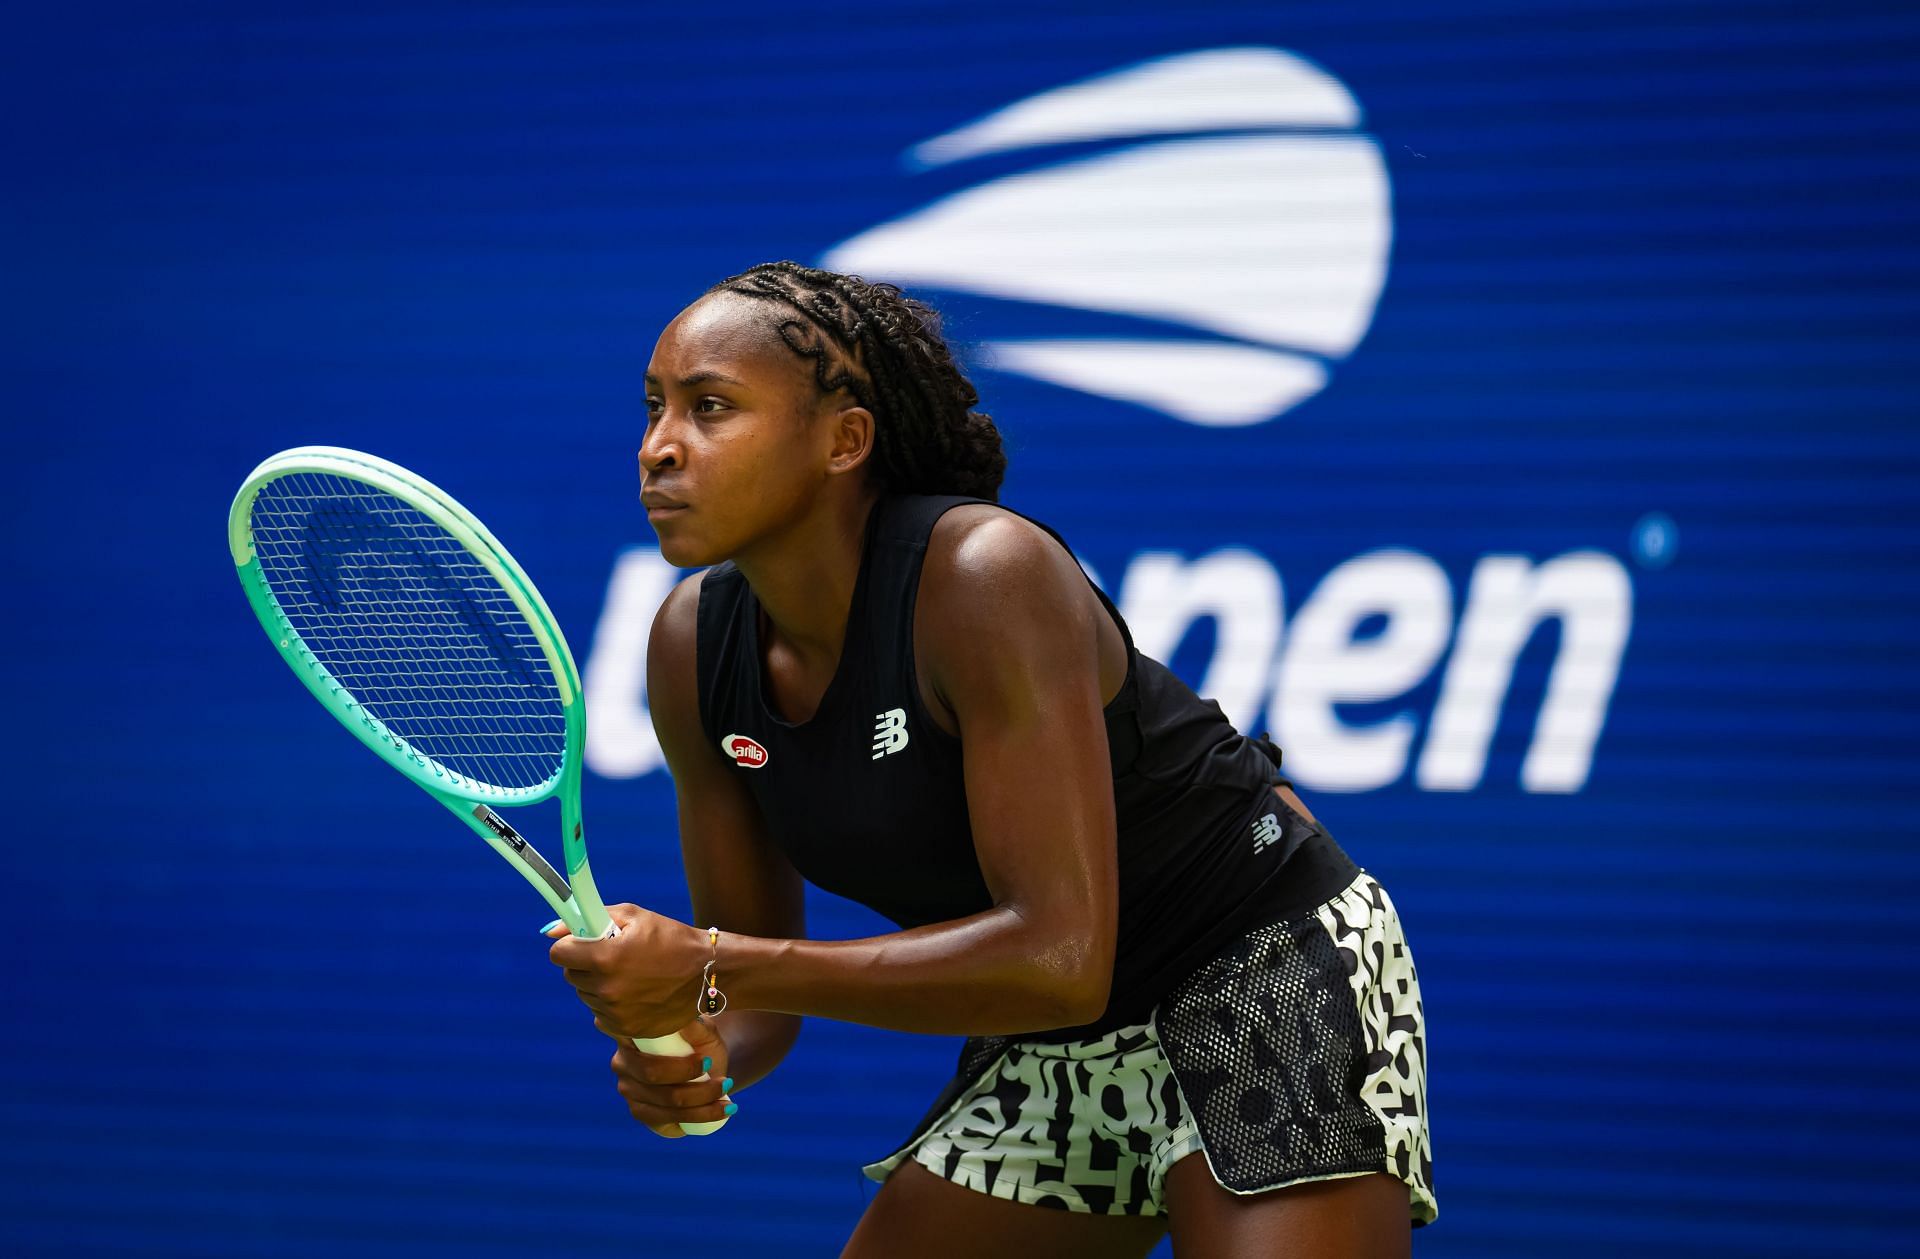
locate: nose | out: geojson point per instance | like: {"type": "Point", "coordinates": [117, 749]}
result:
{"type": "Point", "coordinates": [658, 449]}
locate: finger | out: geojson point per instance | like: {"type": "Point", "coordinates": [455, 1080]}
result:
{"type": "Point", "coordinates": [679, 1096]}
{"type": "Point", "coordinates": [704, 1039]}
{"type": "Point", "coordinates": [602, 1015]}
{"type": "Point", "coordinates": [570, 952]}
{"type": "Point", "coordinates": [624, 914]}
{"type": "Point", "coordinates": [585, 980]}
{"type": "Point", "coordinates": [555, 929]}
{"type": "Point", "coordinates": [657, 1117]}
{"type": "Point", "coordinates": [658, 1068]}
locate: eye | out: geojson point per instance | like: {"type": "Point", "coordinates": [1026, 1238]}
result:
{"type": "Point", "coordinates": [717, 403]}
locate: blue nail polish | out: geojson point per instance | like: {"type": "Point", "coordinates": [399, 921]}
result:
{"type": "Point", "coordinates": [726, 1085]}
{"type": "Point", "coordinates": [733, 1107]}
{"type": "Point", "coordinates": [706, 1064]}
{"type": "Point", "coordinates": [550, 926]}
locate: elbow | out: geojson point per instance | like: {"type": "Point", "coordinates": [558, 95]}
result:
{"type": "Point", "coordinates": [1069, 972]}
{"type": "Point", "coordinates": [1081, 986]}
{"type": "Point", "coordinates": [1087, 1000]}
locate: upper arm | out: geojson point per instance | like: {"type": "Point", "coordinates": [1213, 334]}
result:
{"type": "Point", "coordinates": [738, 879]}
{"type": "Point", "coordinates": [1012, 648]}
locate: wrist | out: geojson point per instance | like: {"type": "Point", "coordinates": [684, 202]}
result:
{"type": "Point", "coordinates": [745, 967]}
{"type": "Point", "coordinates": [677, 958]}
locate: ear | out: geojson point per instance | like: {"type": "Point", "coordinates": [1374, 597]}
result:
{"type": "Point", "coordinates": [852, 429]}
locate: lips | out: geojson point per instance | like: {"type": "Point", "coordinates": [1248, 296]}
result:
{"type": "Point", "coordinates": [657, 502]}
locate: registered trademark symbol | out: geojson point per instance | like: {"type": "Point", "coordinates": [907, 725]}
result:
{"type": "Point", "coordinates": [1656, 540]}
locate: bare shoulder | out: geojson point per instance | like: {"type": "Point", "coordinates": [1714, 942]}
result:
{"type": "Point", "coordinates": [672, 681]}
{"type": "Point", "coordinates": [679, 613]}
{"type": "Point", "coordinates": [1004, 605]}
{"type": "Point", "coordinates": [978, 550]}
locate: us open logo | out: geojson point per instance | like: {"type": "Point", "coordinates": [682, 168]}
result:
{"type": "Point", "coordinates": [744, 751]}
{"type": "Point", "coordinates": [1238, 203]}
{"type": "Point", "coordinates": [1217, 216]}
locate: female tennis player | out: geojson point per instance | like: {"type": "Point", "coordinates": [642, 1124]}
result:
{"type": "Point", "coordinates": [1185, 1006]}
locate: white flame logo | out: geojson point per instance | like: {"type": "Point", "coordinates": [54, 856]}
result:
{"type": "Point", "coordinates": [1271, 242]}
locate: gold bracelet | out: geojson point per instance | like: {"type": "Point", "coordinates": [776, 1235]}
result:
{"type": "Point", "coordinates": [712, 1001]}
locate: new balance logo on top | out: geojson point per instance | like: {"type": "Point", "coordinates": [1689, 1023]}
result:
{"type": "Point", "coordinates": [889, 732]}
{"type": "Point", "coordinates": [1266, 831]}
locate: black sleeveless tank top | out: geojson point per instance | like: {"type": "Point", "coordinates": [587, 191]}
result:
{"type": "Point", "coordinates": [868, 801]}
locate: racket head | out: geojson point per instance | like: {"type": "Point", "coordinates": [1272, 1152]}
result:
{"type": "Point", "coordinates": [410, 622]}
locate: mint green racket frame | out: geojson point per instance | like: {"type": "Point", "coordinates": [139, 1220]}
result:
{"type": "Point", "coordinates": [572, 896]}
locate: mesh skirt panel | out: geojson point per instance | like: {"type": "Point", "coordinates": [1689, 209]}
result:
{"type": "Point", "coordinates": [1301, 1051]}
{"type": "Point", "coordinates": [1267, 1045]}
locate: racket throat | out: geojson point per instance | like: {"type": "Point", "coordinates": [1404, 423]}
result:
{"type": "Point", "coordinates": [527, 853]}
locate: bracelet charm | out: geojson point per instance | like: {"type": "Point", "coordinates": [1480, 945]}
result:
{"type": "Point", "coordinates": [711, 1000]}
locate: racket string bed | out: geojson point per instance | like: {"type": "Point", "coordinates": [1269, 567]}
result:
{"type": "Point", "coordinates": [405, 618]}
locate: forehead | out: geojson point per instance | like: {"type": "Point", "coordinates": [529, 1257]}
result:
{"type": "Point", "coordinates": [729, 332]}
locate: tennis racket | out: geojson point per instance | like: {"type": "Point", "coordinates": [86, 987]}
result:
{"type": "Point", "coordinates": [411, 624]}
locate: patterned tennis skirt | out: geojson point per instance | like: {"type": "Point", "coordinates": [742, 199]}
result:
{"type": "Point", "coordinates": [1296, 1054]}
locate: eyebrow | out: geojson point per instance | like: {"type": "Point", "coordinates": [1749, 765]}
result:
{"type": "Point", "coordinates": [699, 378]}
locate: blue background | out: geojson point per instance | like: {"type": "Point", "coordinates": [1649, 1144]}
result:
{"type": "Point", "coordinates": [1647, 258]}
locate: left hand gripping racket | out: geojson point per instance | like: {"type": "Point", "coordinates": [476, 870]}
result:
{"type": "Point", "coordinates": [411, 624]}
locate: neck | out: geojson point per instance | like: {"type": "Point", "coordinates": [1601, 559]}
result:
{"type": "Point", "coordinates": [804, 579]}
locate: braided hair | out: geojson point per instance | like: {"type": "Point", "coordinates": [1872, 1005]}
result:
{"type": "Point", "coordinates": [886, 349]}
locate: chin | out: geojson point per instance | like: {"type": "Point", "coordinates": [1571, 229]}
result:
{"type": "Point", "coordinates": [682, 552]}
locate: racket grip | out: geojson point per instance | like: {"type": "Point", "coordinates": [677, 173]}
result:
{"type": "Point", "coordinates": [671, 1045]}
{"type": "Point", "coordinates": [675, 1046]}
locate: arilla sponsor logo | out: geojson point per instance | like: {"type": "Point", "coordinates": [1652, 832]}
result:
{"type": "Point", "coordinates": [745, 751]}
{"type": "Point", "coordinates": [1296, 676]}
{"type": "Point", "coordinates": [1235, 198]}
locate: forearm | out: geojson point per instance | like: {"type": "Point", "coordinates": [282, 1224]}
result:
{"type": "Point", "coordinates": [992, 973]}
{"type": "Point", "coordinates": [757, 1042]}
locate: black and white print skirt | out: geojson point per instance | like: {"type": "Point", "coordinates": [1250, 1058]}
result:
{"type": "Point", "coordinates": [1296, 1054]}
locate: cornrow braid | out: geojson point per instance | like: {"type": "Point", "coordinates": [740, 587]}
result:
{"type": "Point", "coordinates": [887, 350]}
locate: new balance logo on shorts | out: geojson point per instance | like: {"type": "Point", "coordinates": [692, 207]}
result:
{"type": "Point", "coordinates": [889, 732]}
{"type": "Point", "coordinates": [1266, 831]}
